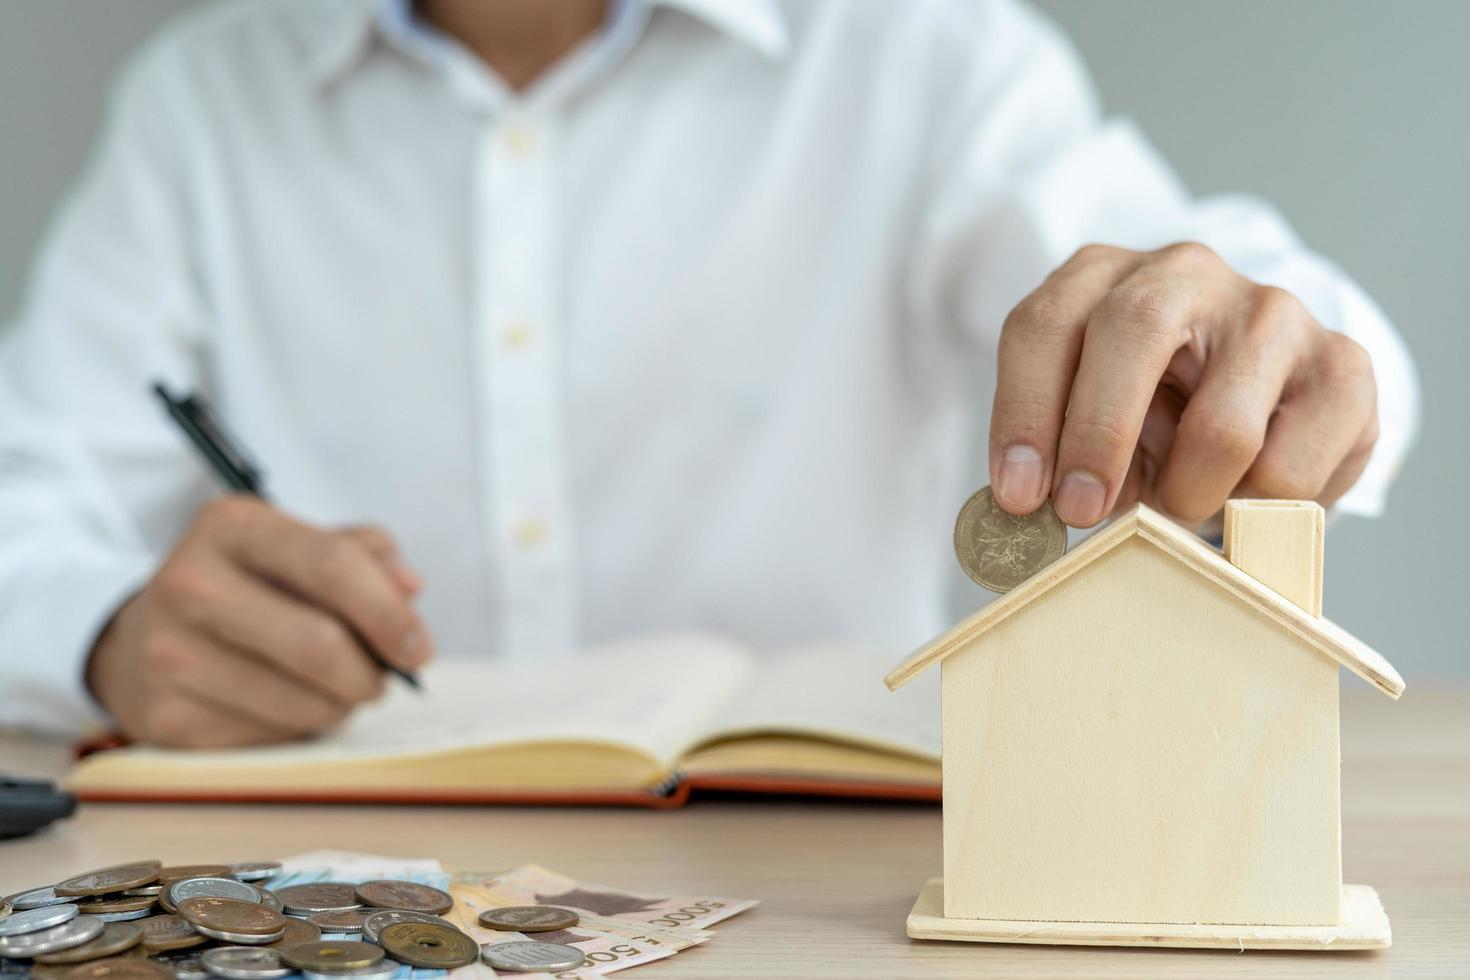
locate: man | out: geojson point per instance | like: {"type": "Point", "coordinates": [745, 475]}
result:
{"type": "Point", "coordinates": [616, 318]}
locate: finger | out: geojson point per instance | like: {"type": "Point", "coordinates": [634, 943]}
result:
{"type": "Point", "coordinates": [1224, 424]}
{"type": "Point", "coordinates": [1346, 475]}
{"type": "Point", "coordinates": [184, 720]}
{"type": "Point", "coordinates": [1128, 343]}
{"type": "Point", "coordinates": [306, 646]}
{"type": "Point", "coordinates": [1037, 356]}
{"type": "Point", "coordinates": [382, 546]}
{"type": "Point", "coordinates": [1310, 437]}
{"type": "Point", "coordinates": [254, 690]}
{"type": "Point", "coordinates": [1134, 481]}
{"type": "Point", "coordinates": [333, 571]}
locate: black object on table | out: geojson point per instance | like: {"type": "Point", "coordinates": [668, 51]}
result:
{"type": "Point", "coordinates": [27, 805]}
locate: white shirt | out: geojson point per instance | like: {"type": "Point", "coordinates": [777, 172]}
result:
{"type": "Point", "coordinates": [696, 332]}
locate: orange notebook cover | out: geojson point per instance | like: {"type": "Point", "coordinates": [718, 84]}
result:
{"type": "Point", "coordinates": [645, 722]}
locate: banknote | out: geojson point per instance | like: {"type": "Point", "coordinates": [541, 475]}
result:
{"type": "Point", "coordinates": [606, 951]}
{"type": "Point", "coordinates": [363, 866]}
{"type": "Point", "coordinates": [468, 890]}
{"type": "Point", "coordinates": [679, 938]}
{"type": "Point", "coordinates": [532, 884]}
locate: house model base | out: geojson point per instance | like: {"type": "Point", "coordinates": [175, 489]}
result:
{"type": "Point", "coordinates": [1364, 926]}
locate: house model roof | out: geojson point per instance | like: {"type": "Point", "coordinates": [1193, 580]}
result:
{"type": "Point", "coordinates": [1195, 557]}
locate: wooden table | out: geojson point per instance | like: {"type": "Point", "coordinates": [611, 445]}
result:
{"type": "Point", "coordinates": [836, 879]}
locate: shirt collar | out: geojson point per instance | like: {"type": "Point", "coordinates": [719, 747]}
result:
{"type": "Point", "coordinates": [758, 23]}
{"type": "Point", "coordinates": [344, 29]}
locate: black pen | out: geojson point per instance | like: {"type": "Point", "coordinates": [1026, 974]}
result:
{"type": "Point", "coordinates": [239, 472]}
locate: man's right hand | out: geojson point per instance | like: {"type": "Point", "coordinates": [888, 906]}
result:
{"type": "Point", "coordinates": [245, 633]}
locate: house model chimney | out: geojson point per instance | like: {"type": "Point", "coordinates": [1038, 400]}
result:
{"type": "Point", "coordinates": [1279, 543]}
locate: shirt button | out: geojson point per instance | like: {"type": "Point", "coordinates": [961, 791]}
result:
{"type": "Point", "coordinates": [520, 140]}
{"type": "Point", "coordinates": [530, 532]}
{"type": "Point", "coordinates": [517, 336]}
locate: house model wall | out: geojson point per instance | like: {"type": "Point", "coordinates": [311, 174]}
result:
{"type": "Point", "coordinates": [1147, 732]}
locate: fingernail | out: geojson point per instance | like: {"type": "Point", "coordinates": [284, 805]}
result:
{"type": "Point", "coordinates": [1019, 481]}
{"type": "Point", "coordinates": [1080, 499]}
{"type": "Point", "coordinates": [413, 649]}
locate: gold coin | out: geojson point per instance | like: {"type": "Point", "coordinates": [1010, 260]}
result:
{"type": "Point", "coordinates": [165, 932]}
{"type": "Point", "coordinates": [1000, 550]}
{"type": "Point", "coordinates": [331, 956]}
{"type": "Point", "coordinates": [430, 946]}
{"type": "Point", "coordinates": [297, 932]}
{"type": "Point", "coordinates": [108, 880]}
{"type": "Point", "coordinates": [231, 915]}
{"type": "Point", "coordinates": [528, 918]}
{"type": "Point", "coordinates": [407, 895]}
{"type": "Point", "coordinates": [117, 937]}
{"type": "Point", "coordinates": [120, 968]}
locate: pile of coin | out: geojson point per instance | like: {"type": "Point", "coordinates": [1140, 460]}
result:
{"type": "Point", "coordinates": [144, 921]}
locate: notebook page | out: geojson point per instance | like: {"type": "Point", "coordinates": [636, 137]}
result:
{"type": "Point", "coordinates": [652, 693]}
{"type": "Point", "coordinates": [836, 690]}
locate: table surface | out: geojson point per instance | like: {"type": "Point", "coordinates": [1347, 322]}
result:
{"type": "Point", "coordinates": [836, 879]}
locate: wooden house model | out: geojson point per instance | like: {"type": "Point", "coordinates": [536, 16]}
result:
{"type": "Point", "coordinates": [1141, 746]}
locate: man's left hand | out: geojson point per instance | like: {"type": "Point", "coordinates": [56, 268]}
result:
{"type": "Point", "coordinates": [1168, 378]}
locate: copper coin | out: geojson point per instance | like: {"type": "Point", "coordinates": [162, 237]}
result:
{"type": "Point", "coordinates": [528, 918]}
{"type": "Point", "coordinates": [243, 938]}
{"type": "Point", "coordinates": [120, 968]}
{"type": "Point", "coordinates": [426, 945]}
{"type": "Point", "coordinates": [178, 872]}
{"type": "Point", "coordinates": [321, 896]}
{"type": "Point", "coordinates": [297, 932]}
{"type": "Point", "coordinates": [407, 895]}
{"type": "Point", "coordinates": [108, 880]}
{"type": "Point", "coordinates": [168, 932]}
{"type": "Point", "coordinates": [344, 921]}
{"type": "Point", "coordinates": [103, 904]}
{"type": "Point", "coordinates": [331, 956]}
{"type": "Point", "coordinates": [231, 915]}
{"type": "Point", "coordinates": [184, 888]}
{"type": "Point", "coordinates": [117, 937]}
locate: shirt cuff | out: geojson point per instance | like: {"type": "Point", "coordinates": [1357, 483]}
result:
{"type": "Point", "coordinates": [42, 683]}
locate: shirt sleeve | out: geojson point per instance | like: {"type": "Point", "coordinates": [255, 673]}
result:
{"type": "Point", "coordinates": [88, 462]}
{"type": "Point", "coordinates": [1026, 170]}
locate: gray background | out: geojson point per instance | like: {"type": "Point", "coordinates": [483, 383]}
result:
{"type": "Point", "coordinates": [1348, 114]}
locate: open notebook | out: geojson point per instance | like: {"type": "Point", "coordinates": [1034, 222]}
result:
{"type": "Point", "coordinates": [642, 721]}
